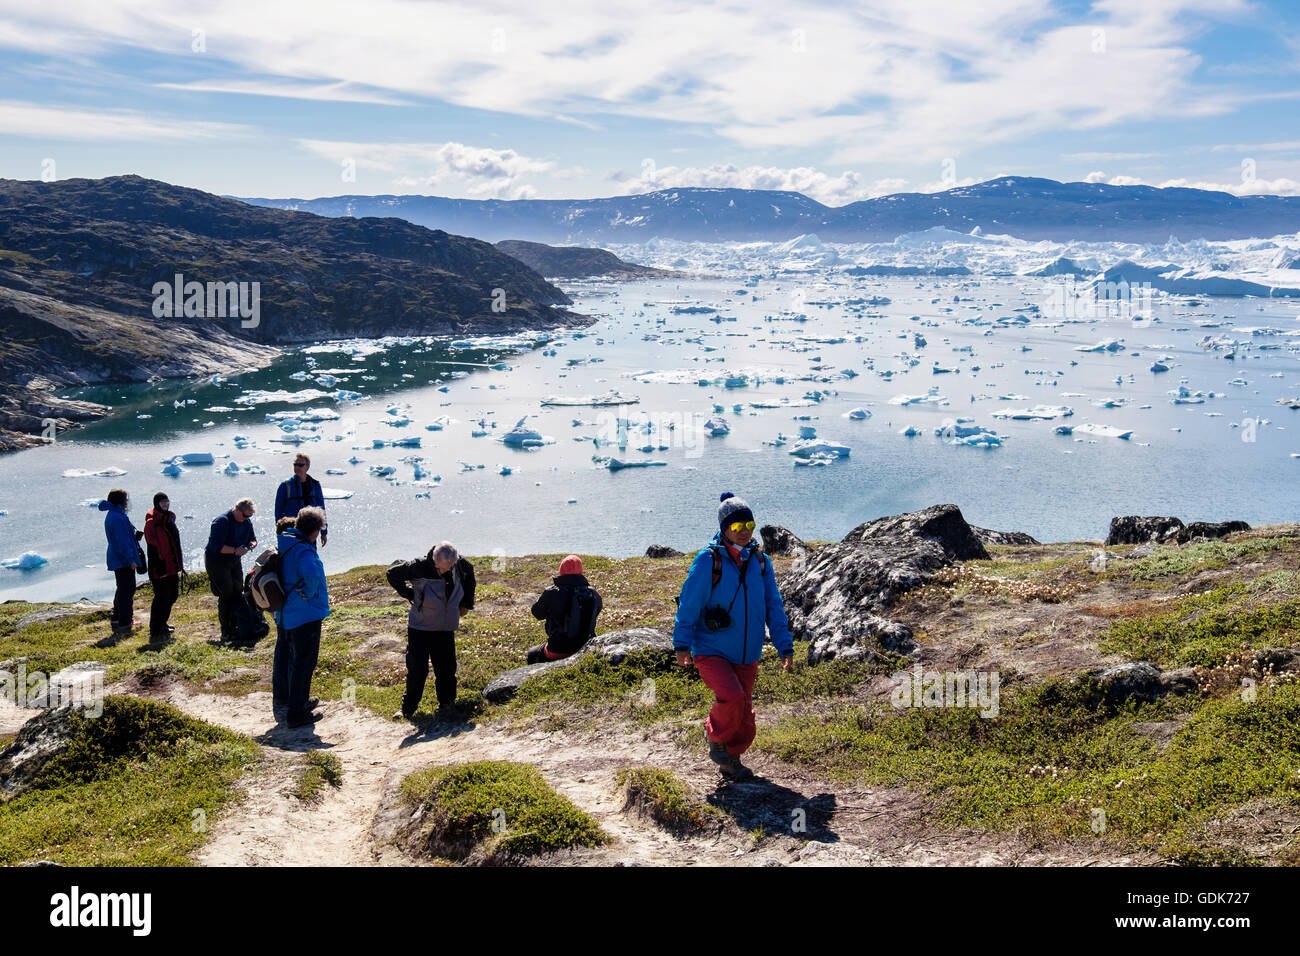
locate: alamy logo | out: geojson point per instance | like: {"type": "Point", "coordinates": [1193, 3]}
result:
{"type": "Point", "coordinates": [979, 689]}
{"type": "Point", "coordinates": [74, 909]}
{"type": "Point", "coordinates": [83, 690]}
{"type": "Point", "coordinates": [211, 300]}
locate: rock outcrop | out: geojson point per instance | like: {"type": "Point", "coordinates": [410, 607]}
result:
{"type": "Point", "coordinates": [1138, 529]}
{"type": "Point", "coordinates": [782, 542]}
{"type": "Point", "coordinates": [836, 599]}
{"type": "Point", "coordinates": [615, 645]}
{"type": "Point", "coordinates": [988, 537]}
{"type": "Point", "coordinates": [662, 551]}
{"type": "Point", "coordinates": [39, 741]}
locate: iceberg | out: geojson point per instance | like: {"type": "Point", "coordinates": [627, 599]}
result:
{"type": "Point", "coordinates": [819, 447]}
{"type": "Point", "coordinates": [1036, 413]}
{"type": "Point", "coordinates": [335, 494]}
{"type": "Point", "coordinates": [616, 464]}
{"type": "Point", "coordinates": [932, 397]}
{"type": "Point", "coordinates": [857, 414]}
{"type": "Point", "coordinates": [102, 473]}
{"type": "Point", "coordinates": [173, 470]}
{"type": "Point", "coordinates": [610, 398]}
{"type": "Point", "coordinates": [1105, 345]}
{"type": "Point", "coordinates": [1104, 431]}
{"type": "Point", "coordinates": [25, 562]}
{"type": "Point", "coordinates": [523, 437]}
{"type": "Point", "coordinates": [716, 426]}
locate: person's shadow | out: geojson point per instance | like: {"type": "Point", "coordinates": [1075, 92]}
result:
{"type": "Point", "coordinates": [293, 739]}
{"type": "Point", "coordinates": [435, 729]}
{"type": "Point", "coordinates": [760, 803]}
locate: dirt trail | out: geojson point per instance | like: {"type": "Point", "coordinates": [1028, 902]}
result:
{"type": "Point", "coordinates": [876, 826]}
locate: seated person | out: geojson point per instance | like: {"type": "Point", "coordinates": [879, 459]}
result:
{"type": "Point", "coordinates": [569, 607]}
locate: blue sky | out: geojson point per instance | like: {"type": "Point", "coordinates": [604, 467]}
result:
{"type": "Point", "coordinates": [510, 100]}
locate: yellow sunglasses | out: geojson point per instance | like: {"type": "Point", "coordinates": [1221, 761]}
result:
{"type": "Point", "coordinates": [738, 526]}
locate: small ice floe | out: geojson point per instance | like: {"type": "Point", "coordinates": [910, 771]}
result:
{"type": "Point", "coordinates": [1182, 395]}
{"type": "Point", "coordinates": [932, 397]}
{"type": "Point", "coordinates": [1159, 367]}
{"type": "Point", "coordinates": [1036, 413]}
{"type": "Point", "coordinates": [102, 473]}
{"type": "Point", "coordinates": [382, 471]}
{"type": "Point", "coordinates": [811, 447]}
{"type": "Point", "coordinates": [28, 561]}
{"type": "Point", "coordinates": [336, 471]}
{"type": "Point", "coordinates": [857, 414]}
{"type": "Point", "coordinates": [173, 470]}
{"type": "Point", "coordinates": [716, 426]}
{"type": "Point", "coordinates": [617, 464]}
{"type": "Point", "coordinates": [335, 494]}
{"type": "Point", "coordinates": [521, 436]}
{"type": "Point", "coordinates": [609, 398]}
{"type": "Point", "coordinates": [1105, 345]}
{"type": "Point", "coordinates": [1103, 431]}
{"type": "Point", "coordinates": [911, 431]}
{"type": "Point", "coordinates": [411, 441]}
{"type": "Point", "coordinates": [964, 432]}
{"type": "Point", "coordinates": [504, 470]}
{"type": "Point", "coordinates": [343, 395]}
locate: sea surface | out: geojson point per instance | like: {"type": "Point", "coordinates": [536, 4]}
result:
{"type": "Point", "coordinates": [820, 346]}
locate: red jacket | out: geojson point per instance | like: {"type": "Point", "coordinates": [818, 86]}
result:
{"type": "Point", "coordinates": [164, 540]}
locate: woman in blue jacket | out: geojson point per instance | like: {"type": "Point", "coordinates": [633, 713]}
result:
{"type": "Point", "coordinates": [727, 603]}
{"type": "Point", "coordinates": [123, 558]}
{"type": "Point", "coordinates": [306, 605]}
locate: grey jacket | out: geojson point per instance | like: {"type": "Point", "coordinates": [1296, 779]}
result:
{"type": "Point", "coordinates": [436, 599]}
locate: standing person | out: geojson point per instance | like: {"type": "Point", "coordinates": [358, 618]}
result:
{"type": "Point", "coordinates": [280, 659]}
{"type": "Point", "coordinates": [440, 587]}
{"type": "Point", "coordinates": [123, 559]}
{"type": "Point", "coordinates": [230, 538]}
{"type": "Point", "coordinates": [725, 637]}
{"type": "Point", "coordinates": [300, 491]}
{"type": "Point", "coordinates": [166, 562]}
{"type": "Point", "coordinates": [569, 607]}
{"type": "Point", "coordinates": [306, 604]}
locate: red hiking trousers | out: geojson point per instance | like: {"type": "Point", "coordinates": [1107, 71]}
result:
{"type": "Point", "coordinates": [731, 721]}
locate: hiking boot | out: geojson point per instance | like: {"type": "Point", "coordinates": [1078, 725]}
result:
{"type": "Point", "coordinates": [718, 753]}
{"type": "Point", "coordinates": [305, 720]}
{"type": "Point", "coordinates": [403, 715]}
{"type": "Point", "coordinates": [733, 769]}
{"type": "Point", "coordinates": [447, 712]}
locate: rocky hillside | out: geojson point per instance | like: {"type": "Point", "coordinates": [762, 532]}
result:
{"type": "Point", "coordinates": [959, 696]}
{"type": "Point", "coordinates": [79, 260]}
{"type": "Point", "coordinates": [577, 262]}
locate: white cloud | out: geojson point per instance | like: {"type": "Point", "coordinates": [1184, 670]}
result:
{"type": "Point", "coordinates": [889, 80]}
{"type": "Point", "coordinates": [478, 172]}
{"type": "Point", "coordinates": [1251, 187]}
{"type": "Point", "coordinates": [71, 123]}
{"type": "Point", "coordinates": [1105, 157]}
{"type": "Point", "coordinates": [334, 92]}
{"type": "Point", "coordinates": [1100, 177]}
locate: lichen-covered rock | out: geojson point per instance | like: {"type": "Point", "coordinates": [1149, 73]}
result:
{"type": "Point", "coordinates": [616, 645]}
{"type": "Point", "coordinates": [988, 537]}
{"type": "Point", "coordinates": [663, 551]}
{"type": "Point", "coordinates": [1136, 529]}
{"type": "Point", "coordinates": [1208, 529]}
{"type": "Point", "coordinates": [782, 542]}
{"type": "Point", "coordinates": [41, 739]}
{"type": "Point", "coordinates": [835, 599]}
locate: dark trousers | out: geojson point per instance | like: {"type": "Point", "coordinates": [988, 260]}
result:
{"type": "Point", "coordinates": [165, 592]}
{"type": "Point", "coordinates": [421, 648]}
{"type": "Point", "coordinates": [226, 579]}
{"type": "Point", "coordinates": [303, 645]}
{"type": "Point", "coordinates": [123, 597]}
{"type": "Point", "coordinates": [280, 669]}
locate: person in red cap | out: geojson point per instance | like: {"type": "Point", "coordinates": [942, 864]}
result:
{"type": "Point", "coordinates": [569, 607]}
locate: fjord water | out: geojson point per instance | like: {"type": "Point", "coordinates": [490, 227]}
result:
{"type": "Point", "coordinates": [1052, 486]}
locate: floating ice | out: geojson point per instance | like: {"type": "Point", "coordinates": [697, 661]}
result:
{"type": "Point", "coordinates": [1105, 345]}
{"type": "Point", "coordinates": [103, 473]}
{"type": "Point", "coordinates": [616, 464]}
{"type": "Point", "coordinates": [173, 470]}
{"type": "Point", "coordinates": [335, 494]}
{"type": "Point", "coordinates": [382, 471]}
{"type": "Point", "coordinates": [261, 397]}
{"type": "Point", "coordinates": [932, 397]}
{"type": "Point", "coordinates": [523, 437]}
{"type": "Point", "coordinates": [610, 398]}
{"type": "Point", "coordinates": [716, 426]}
{"type": "Point", "coordinates": [25, 562]}
{"type": "Point", "coordinates": [811, 447]}
{"type": "Point", "coordinates": [857, 414]}
{"type": "Point", "coordinates": [1036, 413]}
{"type": "Point", "coordinates": [1104, 431]}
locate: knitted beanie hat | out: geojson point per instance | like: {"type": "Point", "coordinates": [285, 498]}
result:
{"type": "Point", "coordinates": [571, 565]}
{"type": "Point", "coordinates": [733, 509]}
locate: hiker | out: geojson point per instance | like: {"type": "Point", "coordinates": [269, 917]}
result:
{"type": "Point", "coordinates": [727, 601]}
{"type": "Point", "coordinates": [298, 492]}
{"type": "Point", "coordinates": [569, 607]}
{"type": "Point", "coordinates": [306, 604]}
{"type": "Point", "coordinates": [440, 587]}
{"type": "Point", "coordinates": [230, 538]}
{"type": "Point", "coordinates": [166, 562]}
{"type": "Point", "coordinates": [280, 658]}
{"type": "Point", "coordinates": [123, 559]}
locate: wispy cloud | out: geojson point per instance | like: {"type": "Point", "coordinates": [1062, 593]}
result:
{"type": "Point", "coordinates": [71, 123]}
{"type": "Point", "coordinates": [335, 92]}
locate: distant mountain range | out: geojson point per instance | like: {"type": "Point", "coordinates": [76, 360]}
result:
{"type": "Point", "coordinates": [1025, 207]}
{"type": "Point", "coordinates": [81, 263]}
{"type": "Point", "coordinates": [577, 262]}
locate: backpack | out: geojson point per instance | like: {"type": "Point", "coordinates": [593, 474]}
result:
{"type": "Point", "coordinates": [263, 585]}
{"type": "Point", "coordinates": [578, 624]}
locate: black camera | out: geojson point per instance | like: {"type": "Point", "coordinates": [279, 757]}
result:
{"type": "Point", "coordinates": [716, 618]}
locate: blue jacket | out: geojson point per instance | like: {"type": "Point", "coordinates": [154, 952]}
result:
{"type": "Point", "coordinates": [304, 580]}
{"type": "Point", "coordinates": [227, 531]}
{"type": "Point", "coordinates": [757, 605]}
{"type": "Point", "coordinates": [291, 497]}
{"type": "Point", "coordinates": [123, 551]}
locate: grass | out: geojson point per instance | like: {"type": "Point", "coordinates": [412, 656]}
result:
{"type": "Point", "coordinates": [136, 786]}
{"type": "Point", "coordinates": [1204, 629]}
{"type": "Point", "coordinates": [319, 768]}
{"type": "Point", "coordinates": [493, 812]}
{"type": "Point", "coordinates": [1058, 761]}
{"type": "Point", "coordinates": [1202, 556]}
{"type": "Point", "coordinates": [668, 801]}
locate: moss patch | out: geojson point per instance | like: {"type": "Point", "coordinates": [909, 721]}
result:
{"type": "Point", "coordinates": [666, 799]}
{"type": "Point", "coordinates": [318, 769]}
{"type": "Point", "coordinates": [493, 812]}
{"type": "Point", "coordinates": [137, 786]}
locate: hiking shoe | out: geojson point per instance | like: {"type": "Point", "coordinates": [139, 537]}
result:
{"type": "Point", "coordinates": [448, 712]}
{"type": "Point", "coordinates": [718, 752]}
{"type": "Point", "coordinates": [402, 715]}
{"type": "Point", "coordinates": [733, 769]}
{"type": "Point", "coordinates": [305, 720]}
